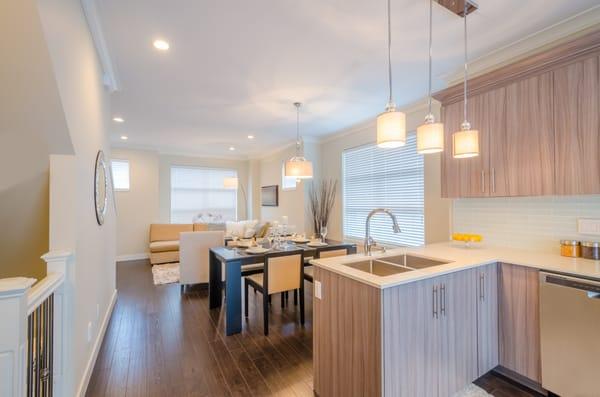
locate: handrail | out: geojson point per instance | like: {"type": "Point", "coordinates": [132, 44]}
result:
{"type": "Point", "coordinates": [39, 292]}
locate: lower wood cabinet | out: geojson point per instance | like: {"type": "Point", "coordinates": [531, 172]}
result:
{"type": "Point", "coordinates": [519, 327]}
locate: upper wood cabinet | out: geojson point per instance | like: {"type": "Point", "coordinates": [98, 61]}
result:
{"type": "Point", "coordinates": [538, 123]}
{"type": "Point", "coordinates": [577, 127]}
{"type": "Point", "coordinates": [528, 140]}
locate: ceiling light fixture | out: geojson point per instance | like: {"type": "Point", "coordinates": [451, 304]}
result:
{"type": "Point", "coordinates": [124, 137]}
{"type": "Point", "coordinates": [118, 119]}
{"type": "Point", "coordinates": [160, 44]}
{"type": "Point", "coordinates": [298, 166]}
{"type": "Point", "coordinates": [465, 143]}
{"type": "Point", "coordinates": [231, 148]}
{"type": "Point", "coordinates": [250, 136]}
{"type": "Point", "coordinates": [430, 135]}
{"type": "Point", "coordinates": [391, 124]}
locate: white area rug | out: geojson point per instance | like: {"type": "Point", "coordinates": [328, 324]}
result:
{"type": "Point", "coordinates": [165, 274]}
{"type": "Point", "coordinates": [472, 391]}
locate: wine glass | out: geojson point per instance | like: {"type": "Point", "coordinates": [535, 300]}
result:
{"type": "Point", "coordinates": [323, 232]}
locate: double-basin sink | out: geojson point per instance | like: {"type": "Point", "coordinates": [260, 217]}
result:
{"type": "Point", "coordinates": [387, 266]}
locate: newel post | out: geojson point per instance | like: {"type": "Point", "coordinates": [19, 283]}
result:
{"type": "Point", "coordinates": [13, 335]}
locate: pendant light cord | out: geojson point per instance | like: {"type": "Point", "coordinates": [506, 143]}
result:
{"type": "Point", "coordinates": [297, 104]}
{"type": "Point", "coordinates": [430, 34]}
{"type": "Point", "coordinates": [389, 20]}
{"type": "Point", "coordinates": [466, 63]}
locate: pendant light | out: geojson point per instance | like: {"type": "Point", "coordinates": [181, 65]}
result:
{"type": "Point", "coordinates": [430, 135]}
{"type": "Point", "coordinates": [298, 167]}
{"type": "Point", "coordinates": [391, 124]}
{"type": "Point", "coordinates": [465, 143]}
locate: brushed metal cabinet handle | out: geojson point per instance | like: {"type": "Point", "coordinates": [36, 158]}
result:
{"type": "Point", "coordinates": [482, 181]}
{"type": "Point", "coordinates": [443, 299]}
{"type": "Point", "coordinates": [493, 180]}
{"type": "Point", "coordinates": [481, 287]}
{"type": "Point", "coordinates": [435, 298]}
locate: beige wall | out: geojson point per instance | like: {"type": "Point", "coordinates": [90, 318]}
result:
{"type": "Point", "coordinates": [437, 210]}
{"type": "Point", "coordinates": [32, 126]}
{"type": "Point", "coordinates": [138, 207]}
{"type": "Point", "coordinates": [86, 109]}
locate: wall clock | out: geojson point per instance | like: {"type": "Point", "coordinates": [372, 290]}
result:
{"type": "Point", "coordinates": [100, 187]}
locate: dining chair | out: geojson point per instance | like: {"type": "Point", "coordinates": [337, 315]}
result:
{"type": "Point", "coordinates": [283, 272]}
{"type": "Point", "coordinates": [324, 252]}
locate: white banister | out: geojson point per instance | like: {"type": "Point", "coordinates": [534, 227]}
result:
{"type": "Point", "coordinates": [13, 335]}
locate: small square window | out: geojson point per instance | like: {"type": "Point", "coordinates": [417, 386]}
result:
{"type": "Point", "coordinates": [120, 174]}
{"type": "Point", "coordinates": [287, 182]}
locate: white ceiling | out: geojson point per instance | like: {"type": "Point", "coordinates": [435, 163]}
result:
{"type": "Point", "coordinates": [235, 67]}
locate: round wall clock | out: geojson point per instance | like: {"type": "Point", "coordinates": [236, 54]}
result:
{"type": "Point", "coordinates": [100, 187]}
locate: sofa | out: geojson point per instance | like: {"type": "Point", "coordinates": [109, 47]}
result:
{"type": "Point", "coordinates": [164, 239]}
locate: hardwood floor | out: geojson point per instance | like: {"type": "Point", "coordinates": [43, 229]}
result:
{"type": "Point", "coordinates": [161, 343]}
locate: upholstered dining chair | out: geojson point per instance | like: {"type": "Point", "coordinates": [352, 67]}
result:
{"type": "Point", "coordinates": [194, 255]}
{"type": "Point", "coordinates": [283, 272]}
{"type": "Point", "coordinates": [323, 252]}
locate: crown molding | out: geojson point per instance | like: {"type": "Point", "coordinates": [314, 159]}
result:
{"type": "Point", "coordinates": [565, 30]}
{"type": "Point", "coordinates": [109, 77]}
{"type": "Point", "coordinates": [160, 152]}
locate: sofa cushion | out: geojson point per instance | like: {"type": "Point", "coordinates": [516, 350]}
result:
{"type": "Point", "coordinates": [164, 257]}
{"type": "Point", "coordinates": [164, 246]}
{"type": "Point", "coordinates": [168, 231]}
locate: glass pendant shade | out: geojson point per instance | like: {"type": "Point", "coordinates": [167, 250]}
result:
{"type": "Point", "coordinates": [430, 137]}
{"type": "Point", "coordinates": [465, 143]}
{"type": "Point", "coordinates": [230, 183]}
{"type": "Point", "coordinates": [391, 129]}
{"type": "Point", "coordinates": [299, 168]}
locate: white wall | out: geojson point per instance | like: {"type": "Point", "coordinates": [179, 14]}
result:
{"type": "Point", "coordinates": [138, 207]}
{"type": "Point", "coordinates": [536, 223]}
{"type": "Point", "coordinates": [86, 110]}
{"type": "Point", "coordinates": [437, 210]}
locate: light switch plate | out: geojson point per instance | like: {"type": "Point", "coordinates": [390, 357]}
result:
{"type": "Point", "coordinates": [588, 226]}
{"type": "Point", "coordinates": [317, 289]}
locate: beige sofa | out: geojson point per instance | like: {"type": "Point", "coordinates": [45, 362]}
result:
{"type": "Point", "coordinates": [164, 240]}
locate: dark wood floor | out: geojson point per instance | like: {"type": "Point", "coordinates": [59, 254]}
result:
{"type": "Point", "coordinates": [161, 343]}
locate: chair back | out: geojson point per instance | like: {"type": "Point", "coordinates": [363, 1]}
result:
{"type": "Point", "coordinates": [284, 271]}
{"type": "Point", "coordinates": [328, 252]}
{"type": "Point", "coordinates": [194, 255]}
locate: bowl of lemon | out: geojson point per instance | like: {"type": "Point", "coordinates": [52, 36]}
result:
{"type": "Point", "coordinates": [467, 240]}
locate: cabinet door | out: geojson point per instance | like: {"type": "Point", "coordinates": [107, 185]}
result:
{"type": "Point", "coordinates": [528, 164]}
{"type": "Point", "coordinates": [452, 117]}
{"type": "Point", "coordinates": [519, 327]}
{"type": "Point", "coordinates": [577, 127]}
{"type": "Point", "coordinates": [458, 332]}
{"type": "Point", "coordinates": [410, 336]}
{"type": "Point", "coordinates": [487, 318]}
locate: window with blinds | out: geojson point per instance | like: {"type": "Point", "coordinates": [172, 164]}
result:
{"type": "Point", "coordinates": [389, 178]}
{"type": "Point", "coordinates": [201, 192]}
{"type": "Point", "coordinates": [120, 174]}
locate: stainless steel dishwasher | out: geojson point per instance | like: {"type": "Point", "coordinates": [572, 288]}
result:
{"type": "Point", "coordinates": [570, 335]}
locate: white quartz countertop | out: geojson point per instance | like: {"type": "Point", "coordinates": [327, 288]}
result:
{"type": "Point", "coordinates": [460, 258]}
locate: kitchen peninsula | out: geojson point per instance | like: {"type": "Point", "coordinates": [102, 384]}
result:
{"type": "Point", "coordinates": [434, 327]}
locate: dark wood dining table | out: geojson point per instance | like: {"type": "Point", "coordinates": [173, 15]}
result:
{"type": "Point", "coordinates": [234, 258]}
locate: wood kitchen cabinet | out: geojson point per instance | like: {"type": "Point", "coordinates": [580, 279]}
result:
{"type": "Point", "coordinates": [487, 318]}
{"type": "Point", "coordinates": [519, 321]}
{"type": "Point", "coordinates": [577, 127]}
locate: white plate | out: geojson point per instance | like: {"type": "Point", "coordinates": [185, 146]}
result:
{"type": "Point", "coordinates": [299, 240]}
{"type": "Point", "coordinates": [316, 244]}
{"type": "Point", "coordinates": [257, 250]}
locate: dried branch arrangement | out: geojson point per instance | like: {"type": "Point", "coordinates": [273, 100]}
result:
{"type": "Point", "coordinates": [321, 199]}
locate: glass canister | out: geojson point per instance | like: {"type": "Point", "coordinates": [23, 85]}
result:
{"type": "Point", "coordinates": [590, 250]}
{"type": "Point", "coordinates": [570, 248]}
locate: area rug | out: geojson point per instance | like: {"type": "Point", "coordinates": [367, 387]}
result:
{"type": "Point", "coordinates": [472, 391]}
{"type": "Point", "coordinates": [165, 274]}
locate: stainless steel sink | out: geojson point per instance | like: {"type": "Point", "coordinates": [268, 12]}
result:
{"type": "Point", "coordinates": [377, 267]}
{"type": "Point", "coordinates": [413, 262]}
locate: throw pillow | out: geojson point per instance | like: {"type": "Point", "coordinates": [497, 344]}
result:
{"type": "Point", "coordinates": [249, 228]}
{"type": "Point", "coordinates": [234, 229]}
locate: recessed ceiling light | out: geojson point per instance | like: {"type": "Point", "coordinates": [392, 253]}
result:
{"type": "Point", "coordinates": [160, 44]}
{"type": "Point", "coordinates": [250, 136]}
{"type": "Point", "coordinates": [231, 148]}
{"type": "Point", "coordinates": [124, 137]}
{"type": "Point", "coordinates": [118, 119]}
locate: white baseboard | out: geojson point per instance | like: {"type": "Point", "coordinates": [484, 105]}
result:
{"type": "Point", "coordinates": [133, 257]}
{"type": "Point", "coordinates": [83, 384]}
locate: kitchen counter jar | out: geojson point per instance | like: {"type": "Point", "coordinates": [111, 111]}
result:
{"type": "Point", "coordinates": [570, 248]}
{"type": "Point", "coordinates": [590, 250]}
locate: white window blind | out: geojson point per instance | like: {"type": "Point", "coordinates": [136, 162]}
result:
{"type": "Point", "coordinates": [196, 191]}
{"type": "Point", "coordinates": [287, 182]}
{"type": "Point", "coordinates": [120, 174]}
{"type": "Point", "coordinates": [389, 178]}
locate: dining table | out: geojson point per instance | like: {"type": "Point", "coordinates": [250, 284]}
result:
{"type": "Point", "coordinates": [233, 258]}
